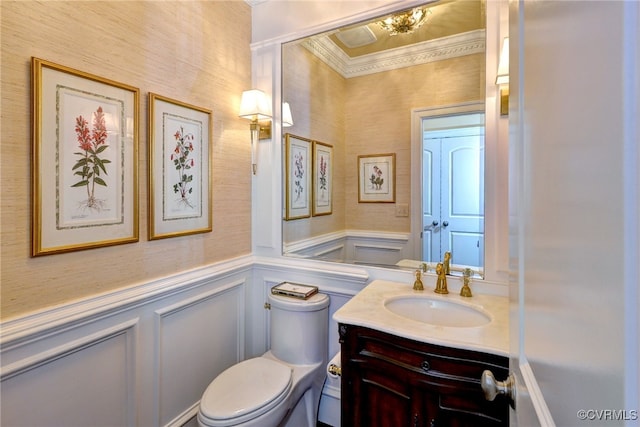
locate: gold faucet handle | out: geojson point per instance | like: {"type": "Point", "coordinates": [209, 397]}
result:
{"type": "Point", "coordinates": [466, 280]}
{"type": "Point", "coordinates": [417, 285]}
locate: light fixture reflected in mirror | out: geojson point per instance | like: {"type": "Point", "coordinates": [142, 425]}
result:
{"type": "Point", "coordinates": [405, 22]}
{"type": "Point", "coordinates": [502, 79]}
{"type": "Point", "coordinates": [256, 106]}
{"type": "Point", "coordinates": [287, 118]}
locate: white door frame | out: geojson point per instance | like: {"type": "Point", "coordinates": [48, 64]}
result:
{"type": "Point", "coordinates": [417, 115]}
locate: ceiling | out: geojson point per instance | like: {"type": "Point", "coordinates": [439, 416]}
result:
{"type": "Point", "coordinates": [445, 18]}
{"type": "Point", "coordinates": [453, 28]}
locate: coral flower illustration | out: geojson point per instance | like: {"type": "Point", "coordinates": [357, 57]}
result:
{"type": "Point", "coordinates": [182, 163]}
{"type": "Point", "coordinates": [90, 166]}
{"type": "Point", "coordinates": [376, 178]}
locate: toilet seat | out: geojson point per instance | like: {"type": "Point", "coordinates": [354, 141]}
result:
{"type": "Point", "coordinates": [245, 391]}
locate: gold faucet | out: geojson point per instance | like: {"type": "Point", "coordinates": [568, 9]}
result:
{"type": "Point", "coordinates": [466, 279]}
{"type": "Point", "coordinates": [417, 285]}
{"type": "Point", "coordinates": [441, 283]}
{"type": "Point", "coordinates": [447, 262]}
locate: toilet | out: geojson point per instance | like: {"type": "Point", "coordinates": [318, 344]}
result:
{"type": "Point", "coordinates": [283, 386]}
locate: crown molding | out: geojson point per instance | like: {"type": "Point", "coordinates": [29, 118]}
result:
{"type": "Point", "coordinates": [421, 53]}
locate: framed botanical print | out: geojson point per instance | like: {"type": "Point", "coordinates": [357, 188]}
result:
{"type": "Point", "coordinates": [377, 178]}
{"type": "Point", "coordinates": [84, 160]}
{"type": "Point", "coordinates": [322, 178]}
{"type": "Point", "coordinates": [298, 177]}
{"type": "Point", "coordinates": [179, 168]}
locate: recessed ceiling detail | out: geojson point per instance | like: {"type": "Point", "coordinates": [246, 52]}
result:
{"type": "Point", "coordinates": [356, 37]}
{"type": "Point", "coordinates": [421, 53]}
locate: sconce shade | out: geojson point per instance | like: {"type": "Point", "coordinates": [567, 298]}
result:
{"type": "Point", "coordinates": [287, 118]}
{"type": "Point", "coordinates": [503, 66]}
{"type": "Point", "coordinates": [255, 105]}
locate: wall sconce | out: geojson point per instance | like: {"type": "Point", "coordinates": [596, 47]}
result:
{"type": "Point", "coordinates": [256, 106]}
{"type": "Point", "coordinates": [287, 118]}
{"type": "Point", "coordinates": [502, 79]}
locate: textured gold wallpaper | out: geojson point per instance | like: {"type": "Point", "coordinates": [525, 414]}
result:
{"type": "Point", "coordinates": [318, 111]}
{"type": "Point", "coordinates": [195, 52]}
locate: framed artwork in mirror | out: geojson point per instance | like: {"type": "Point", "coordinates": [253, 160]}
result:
{"type": "Point", "coordinates": [179, 168]}
{"type": "Point", "coordinates": [377, 178]}
{"type": "Point", "coordinates": [298, 177]}
{"type": "Point", "coordinates": [84, 160]}
{"type": "Point", "coordinates": [322, 178]}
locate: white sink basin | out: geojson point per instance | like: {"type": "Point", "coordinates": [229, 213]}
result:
{"type": "Point", "coordinates": [436, 311]}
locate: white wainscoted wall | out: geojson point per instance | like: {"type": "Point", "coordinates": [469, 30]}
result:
{"type": "Point", "coordinates": [354, 247]}
{"type": "Point", "coordinates": [143, 356]}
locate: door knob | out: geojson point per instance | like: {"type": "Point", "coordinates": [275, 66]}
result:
{"type": "Point", "coordinates": [429, 227]}
{"type": "Point", "coordinates": [445, 223]}
{"type": "Point", "coordinates": [492, 388]}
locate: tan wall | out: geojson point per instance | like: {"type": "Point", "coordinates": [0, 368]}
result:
{"type": "Point", "coordinates": [195, 52]}
{"type": "Point", "coordinates": [317, 97]}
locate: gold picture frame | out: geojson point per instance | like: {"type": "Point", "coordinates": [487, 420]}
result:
{"type": "Point", "coordinates": [322, 179]}
{"type": "Point", "coordinates": [84, 164]}
{"type": "Point", "coordinates": [298, 172]}
{"type": "Point", "coordinates": [180, 185]}
{"type": "Point", "coordinates": [377, 178]}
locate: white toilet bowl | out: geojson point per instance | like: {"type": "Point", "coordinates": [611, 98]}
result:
{"type": "Point", "coordinates": [273, 390]}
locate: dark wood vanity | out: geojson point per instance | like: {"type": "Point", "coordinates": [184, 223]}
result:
{"type": "Point", "coordinates": [390, 381]}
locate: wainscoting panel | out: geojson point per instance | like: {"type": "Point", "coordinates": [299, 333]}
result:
{"type": "Point", "coordinates": [198, 339]}
{"type": "Point", "coordinates": [140, 356]}
{"type": "Point", "coordinates": [377, 254]}
{"type": "Point", "coordinates": [143, 355]}
{"type": "Point", "coordinates": [86, 382]}
{"type": "Point", "coordinates": [354, 247]}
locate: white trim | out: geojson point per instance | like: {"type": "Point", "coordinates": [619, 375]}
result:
{"type": "Point", "coordinates": [188, 414]}
{"type": "Point", "coordinates": [344, 272]}
{"type": "Point", "coordinates": [23, 365]}
{"type": "Point", "coordinates": [313, 241]}
{"type": "Point", "coordinates": [631, 68]}
{"type": "Point", "coordinates": [417, 115]}
{"type": "Point", "coordinates": [537, 399]}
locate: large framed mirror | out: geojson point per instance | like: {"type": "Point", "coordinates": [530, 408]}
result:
{"type": "Point", "coordinates": [418, 95]}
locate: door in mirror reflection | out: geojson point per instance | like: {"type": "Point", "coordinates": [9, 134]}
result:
{"type": "Point", "coordinates": [453, 189]}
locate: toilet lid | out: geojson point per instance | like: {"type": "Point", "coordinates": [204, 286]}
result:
{"type": "Point", "coordinates": [245, 391]}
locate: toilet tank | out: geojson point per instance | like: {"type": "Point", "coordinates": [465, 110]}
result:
{"type": "Point", "coordinates": [298, 328]}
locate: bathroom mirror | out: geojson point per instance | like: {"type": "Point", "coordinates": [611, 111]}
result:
{"type": "Point", "coordinates": [369, 98]}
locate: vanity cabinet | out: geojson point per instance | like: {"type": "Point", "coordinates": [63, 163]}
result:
{"type": "Point", "coordinates": [392, 381]}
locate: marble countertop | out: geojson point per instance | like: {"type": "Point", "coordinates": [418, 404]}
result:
{"type": "Point", "coordinates": [367, 309]}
